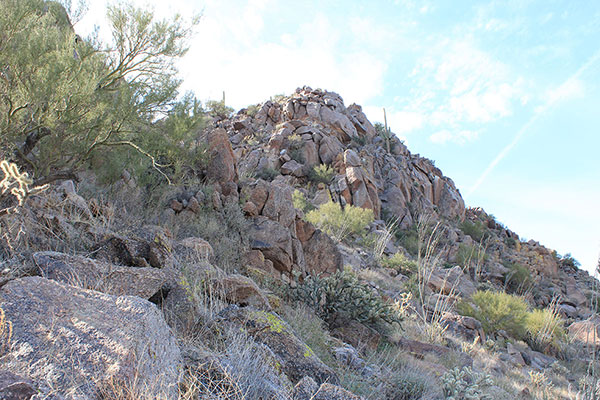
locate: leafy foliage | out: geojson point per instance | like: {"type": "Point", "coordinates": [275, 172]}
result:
{"type": "Point", "coordinates": [268, 174]}
{"type": "Point", "coordinates": [63, 99]}
{"type": "Point", "coordinates": [476, 229]}
{"type": "Point", "coordinates": [218, 109]}
{"type": "Point", "coordinates": [343, 294]}
{"type": "Point", "coordinates": [340, 223]}
{"type": "Point", "coordinates": [409, 240]}
{"type": "Point", "coordinates": [400, 262]}
{"type": "Point", "coordinates": [569, 261]}
{"type": "Point", "coordinates": [544, 329]}
{"type": "Point", "coordinates": [321, 173]}
{"type": "Point", "coordinates": [301, 202]}
{"type": "Point", "coordinates": [498, 310]}
{"type": "Point", "coordinates": [518, 279]}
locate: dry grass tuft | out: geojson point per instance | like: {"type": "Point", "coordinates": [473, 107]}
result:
{"type": "Point", "coordinates": [6, 330]}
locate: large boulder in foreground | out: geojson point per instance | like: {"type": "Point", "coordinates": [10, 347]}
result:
{"type": "Point", "coordinates": [81, 341]}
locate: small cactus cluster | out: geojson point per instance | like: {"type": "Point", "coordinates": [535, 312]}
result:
{"type": "Point", "coordinates": [343, 294]}
{"type": "Point", "coordinates": [465, 384]}
{"type": "Point", "coordinates": [16, 184]}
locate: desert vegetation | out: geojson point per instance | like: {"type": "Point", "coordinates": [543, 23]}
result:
{"type": "Point", "coordinates": [155, 247]}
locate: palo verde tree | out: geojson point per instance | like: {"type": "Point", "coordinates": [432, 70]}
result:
{"type": "Point", "coordinates": [63, 99]}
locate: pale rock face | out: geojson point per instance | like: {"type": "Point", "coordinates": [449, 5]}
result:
{"type": "Point", "coordinates": [241, 290]}
{"type": "Point", "coordinates": [321, 255]}
{"type": "Point", "coordinates": [76, 339]}
{"type": "Point", "coordinates": [274, 241]}
{"type": "Point", "coordinates": [310, 153]}
{"type": "Point", "coordinates": [362, 124]}
{"type": "Point", "coordinates": [452, 280]}
{"type": "Point", "coordinates": [586, 332]}
{"type": "Point", "coordinates": [279, 205]}
{"type": "Point", "coordinates": [101, 276]}
{"type": "Point", "coordinates": [293, 167]}
{"type": "Point", "coordinates": [329, 148]}
{"type": "Point", "coordinates": [222, 167]}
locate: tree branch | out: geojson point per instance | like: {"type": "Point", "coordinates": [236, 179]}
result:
{"type": "Point", "coordinates": [155, 165]}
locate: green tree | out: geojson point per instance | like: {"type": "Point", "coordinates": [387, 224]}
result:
{"type": "Point", "coordinates": [63, 99]}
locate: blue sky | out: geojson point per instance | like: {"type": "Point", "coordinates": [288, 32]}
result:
{"type": "Point", "coordinates": [503, 95]}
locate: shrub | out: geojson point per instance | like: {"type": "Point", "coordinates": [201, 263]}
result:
{"type": "Point", "coordinates": [400, 262]}
{"type": "Point", "coordinates": [409, 384]}
{"type": "Point", "coordinates": [219, 109]}
{"type": "Point", "coordinates": [498, 311]}
{"type": "Point", "coordinates": [321, 173]}
{"type": "Point", "coordinates": [568, 261]}
{"type": "Point", "coordinates": [301, 202]}
{"type": "Point", "coordinates": [465, 254]}
{"type": "Point", "coordinates": [465, 384]}
{"type": "Point", "coordinates": [475, 229]}
{"type": "Point", "coordinates": [409, 240]}
{"type": "Point", "coordinates": [544, 329]}
{"type": "Point", "coordinates": [295, 145]}
{"type": "Point", "coordinates": [225, 230]}
{"type": "Point", "coordinates": [340, 223]}
{"type": "Point", "coordinates": [268, 174]}
{"type": "Point", "coordinates": [312, 330]}
{"type": "Point", "coordinates": [82, 97]}
{"type": "Point", "coordinates": [518, 279]}
{"type": "Point", "coordinates": [252, 110]}
{"type": "Point", "coordinates": [343, 294]}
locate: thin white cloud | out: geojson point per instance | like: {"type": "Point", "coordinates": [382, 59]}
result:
{"type": "Point", "coordinates": [569, 90]}
{"type": "Point", "coordinates": [460, 137]}
{"type": "Point", "coordinates": [458, 88]}
{"type": "Point", "coordinates": [566, 89]}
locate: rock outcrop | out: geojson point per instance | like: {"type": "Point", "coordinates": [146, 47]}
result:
{"type": "Point", "coordinates": [80, 341]}
{"type": "Point", "coordinates": [296, 358]}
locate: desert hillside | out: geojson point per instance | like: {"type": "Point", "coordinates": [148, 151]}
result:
{"type": "Point", "coordinates": [290, 250]}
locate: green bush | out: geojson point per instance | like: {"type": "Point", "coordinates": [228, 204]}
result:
{"type": "Point", "coordinates": [267, 174]}
{"type": "Point", "coordinates": [252, 110]}
{"type": "Point", "coordinates": [518, 279]}
{"type": "Point", "coordinates": [301, 202]}
{"type": "Point", "coordinates": [340, 223]}
{"type": "Point", "coordinates": [475, 229]}
{"type": "Point", "coordinates": [498, 311]}
{"type": "Point", "coordinates": [312, 330]}
{"type": "Point", "coordinates": [342, 294]}
{"type": "Point", "coordinates": [295, 145]}
{"type": "Point", "coordinates": [219, 109]}
{"type": "Point", "coordinates": [409, 240]}
{"type": "Point", "coordinates": [399, 262]}
{"type": "Point", "coordinates": [466, 253]}
{"type": "Point", "coordinates": [321, 173]}
{"type": "Point", "coordinates": [544, 329]}
{"type": "Point", "coordinates": [82, 97]}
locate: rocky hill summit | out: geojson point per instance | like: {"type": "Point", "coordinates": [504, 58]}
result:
{"type": "Point", "coordinates": [314, 257]}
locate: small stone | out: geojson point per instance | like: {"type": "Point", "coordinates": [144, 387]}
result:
{"type": "Point", "coordinates": [193, 205]}
{"type": "Point", "coordinates": [176, 205]}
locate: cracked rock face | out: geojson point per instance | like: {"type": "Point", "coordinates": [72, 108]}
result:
{"type": "Point", "coordinates": [77, 340]}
